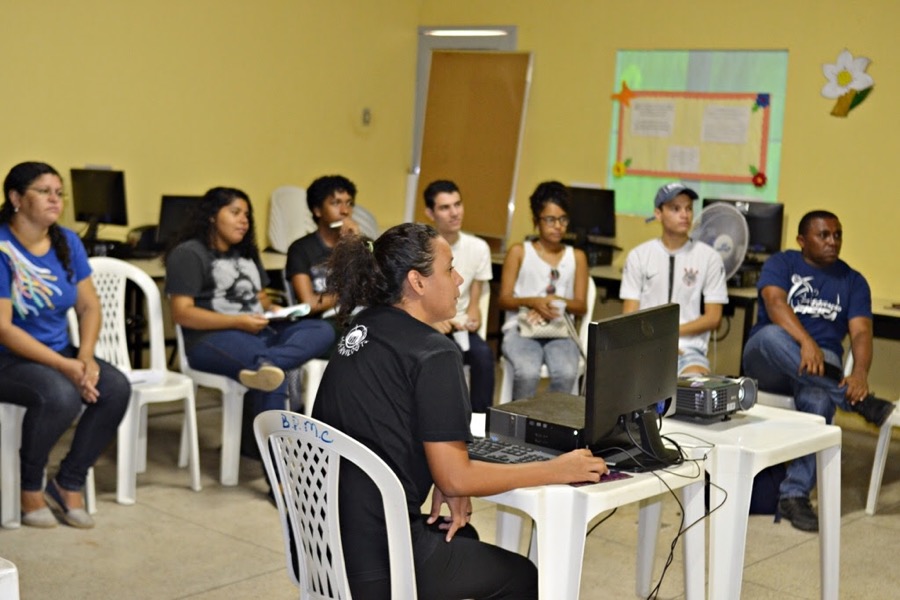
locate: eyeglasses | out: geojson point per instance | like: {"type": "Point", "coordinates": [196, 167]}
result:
{"type": "Point", "coordinates": [554, 277]}
{"type": "Point", "coordinates": [563, 221]}
{"type": "Point", "coordinates": [47, 192]}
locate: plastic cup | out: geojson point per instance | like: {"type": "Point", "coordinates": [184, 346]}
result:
{"type": "Point", "coordinates": [559, 306]}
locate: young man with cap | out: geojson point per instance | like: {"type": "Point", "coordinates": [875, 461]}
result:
{"type": "Point", "coordinates": [472, 260]}
{"type": "Point", "coordinates": [808, 302]}
{"type": "Point", "coordinates": [675, 268]}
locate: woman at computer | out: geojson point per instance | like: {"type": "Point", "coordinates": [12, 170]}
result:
{"type": "Point", "coordinates": [396, 384]}
{"type": "Point", "coordinates": [539, 276]}
{"type": "Point", "coordinates": [216, 287]}
{"type": "Point", "coordinates": [44, 272]}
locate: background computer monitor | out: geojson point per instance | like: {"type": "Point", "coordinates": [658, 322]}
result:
{"type": "Point", "coordinates": [632, 365]}
{"type": "Point", "coordinates": [592, 214]}
{"type": "Point", "coordinates": [98, 196]}
{"type": "Point", "coordinates": [765, 221]}
{"type": "Point", "coordinates": [174, 213]}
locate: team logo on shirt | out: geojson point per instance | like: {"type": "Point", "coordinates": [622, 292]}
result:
{"type": "Point", "coordinates": [353, 340]}
{"type": "Point", "coordinates": [690, 276]}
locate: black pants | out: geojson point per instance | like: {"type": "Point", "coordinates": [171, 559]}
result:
{"type": "Point", "coordinates": [464, 568]}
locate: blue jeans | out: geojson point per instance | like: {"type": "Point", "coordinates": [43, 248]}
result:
{"type": "Point", "coordinates": [285, 345]}
{"type": "Point", "coordinates": [526, 355]}
{"type": "Point", "coordinates": [53, 402]}
{"type": "Point", "coordinates": [772, 357]}
{"type": "Point", "coordinates": [480, 359]}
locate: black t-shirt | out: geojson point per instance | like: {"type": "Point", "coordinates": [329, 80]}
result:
{"type": "Point", "coordinates": [393, 383]}
{"type": "Point", "coordinates": [224, 282]}
{"type": "Point", "coordinates": [308, 256]}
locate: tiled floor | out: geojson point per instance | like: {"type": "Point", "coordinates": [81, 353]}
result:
{"type": "Point", "coordinates": [226, 542]}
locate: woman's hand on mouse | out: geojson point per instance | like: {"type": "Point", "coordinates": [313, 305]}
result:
{"type": "Point", "coordinates": [579, 465]}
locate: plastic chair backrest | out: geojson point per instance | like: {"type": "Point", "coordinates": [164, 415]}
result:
{"type": "Point", "coordinates": [368, 226]}
{"type": "Point", "coordinates": [484, 303]}
{"type": "Point", "coordinates": [591, 301]}
{"type": "Point", "coordinates": [308, 455]}
{"type": "Point", "coordinates": [289, 217]}
{"type": "Point", "coordinates": [110, 276]}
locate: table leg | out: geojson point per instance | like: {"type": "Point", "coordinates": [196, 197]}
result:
{"type": "Point", "coordinates": [560, 536]}
{"type": "Point", "coordinates": [693, 546]}
{"type": "Point", "coordinates": [509, 529]}
{"type": "Point", "coordinates": [828, 467]}
{"type": "Point", "coordinates": [727, 521]}
{"type": "Point", "coordinates": [649, 518]}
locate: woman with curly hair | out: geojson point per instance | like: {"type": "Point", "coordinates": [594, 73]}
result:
{"type": "Point", "coordinates": [396, 384]}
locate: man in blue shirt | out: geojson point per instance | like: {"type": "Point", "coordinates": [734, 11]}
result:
{"type": "Point", "coordinates": [808, 302]}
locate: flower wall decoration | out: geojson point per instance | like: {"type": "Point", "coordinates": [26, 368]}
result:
{"type": "Point", "coordinates": [848, 82]}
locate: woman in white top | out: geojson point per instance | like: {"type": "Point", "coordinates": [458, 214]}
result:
{"type": "Point", "coordinates": [535, 274]}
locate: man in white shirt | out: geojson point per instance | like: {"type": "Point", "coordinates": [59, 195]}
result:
{"type": "Point", "coordinates": [675, 268]}
{"type": "Point", "coordinates": [472, 260]}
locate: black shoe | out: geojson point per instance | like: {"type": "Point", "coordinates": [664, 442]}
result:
{"type": "Point", "coordinates": [799, 512]}
{"type": "Point", "coordinates": [874, 410]}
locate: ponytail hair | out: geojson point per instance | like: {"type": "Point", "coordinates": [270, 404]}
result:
{"type": "Point", "coordinates": [362, 273]}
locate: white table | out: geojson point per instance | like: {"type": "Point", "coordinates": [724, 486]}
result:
{"type": "Point", "coordinates": [561, 514]}
{"type": "Point", "coordinates": [744, 445]}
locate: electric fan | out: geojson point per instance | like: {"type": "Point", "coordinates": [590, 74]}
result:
{"type": "Point", "coordinates": [723, 227]}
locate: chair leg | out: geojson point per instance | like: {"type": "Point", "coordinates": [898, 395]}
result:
{"type": "Point", "coordinates": [11, 416]}
{"type": "Point", "coordinates": [90, 493]}
{"type": "Point", "coordinates": [506, 381]}
{"type": "Point", "coordinates": [127, 454]}
{"type": "Point", "coordinates": [190, 429]}
{"type": "Point", "coordinates": [232, 415]}
{"type": "Point", "coordinates": [878, 464]}
{"type": "Point", "coordinates": [141, 447]}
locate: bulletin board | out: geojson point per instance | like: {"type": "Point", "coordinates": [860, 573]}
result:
{"type": "Point", "coordinates": [712, 119]}
{"type": "Point", "coordinates": [690, 135]}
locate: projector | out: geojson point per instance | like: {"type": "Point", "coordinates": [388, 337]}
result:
{"type": "Point", "coordinates": [713, 396]}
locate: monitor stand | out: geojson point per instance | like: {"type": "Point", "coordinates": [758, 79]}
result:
{"type": "Point", "coordinates": [636, 445]}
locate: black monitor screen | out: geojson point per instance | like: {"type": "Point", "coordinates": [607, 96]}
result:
{"type": "Point", "coordinates": [592, 212]}
{"type": "Point", "coordinates": [174, 212]}
{"type": "Point", "coordinates": [765, 221]}
{"type": "Point", "coordinates": [632, 365]}
{"type": "Point", "coordinates": [98, 196]}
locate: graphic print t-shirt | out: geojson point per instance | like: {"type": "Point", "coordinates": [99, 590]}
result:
{"type": "Point", "coordinates": [823, 299]}
{"type": "Point", "coordinates": [222, 282]}
{"type": "Point", "coordinates": [40, 288]}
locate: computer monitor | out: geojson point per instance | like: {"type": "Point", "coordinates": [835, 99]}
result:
{"type": "Point", "coordinates": [765, 221]}
{"type": "Point", "coordinates": [592, 215]}
{"type": "Point", "coordinates": [98, 196]}
{"type": "Point", "coordinates": [174, 212]}
{"type": "Point", "coordinates": [632, 365]}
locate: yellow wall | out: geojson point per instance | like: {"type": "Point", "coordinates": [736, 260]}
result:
{"type": "Point", "coordinates": [845, 165]}
{"type": "Point", "coordinates": [185, 95]}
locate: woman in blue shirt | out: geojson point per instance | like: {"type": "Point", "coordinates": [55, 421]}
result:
{"type": "Point", "coordinates": [44, 272]}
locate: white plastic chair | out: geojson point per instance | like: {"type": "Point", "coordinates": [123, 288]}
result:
{"type": "Point", "coordinates": [484, 303]}
{"type": "Point", "coordinates": [506, 369]}
{"type": "Point", "coordinates": [232, 412]}
{"type": "Point", "coordinates": [289, 217]}
{"type": "Point", "coordinates": [308, 457]}
{"type": "Point", "coordinates": [156, 384]}
{"type": "Point", "coordinates": [878, 464]}
{"type": "Point", "coordinates": [11, 418]}
{"type": "Point", "coordinates": [368, 226]}
{"type": "Point", "coordinates": [310, 373]}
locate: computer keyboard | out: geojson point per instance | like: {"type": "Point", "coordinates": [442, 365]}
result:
{"type": "Point", "coordinates": [503, 452]}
